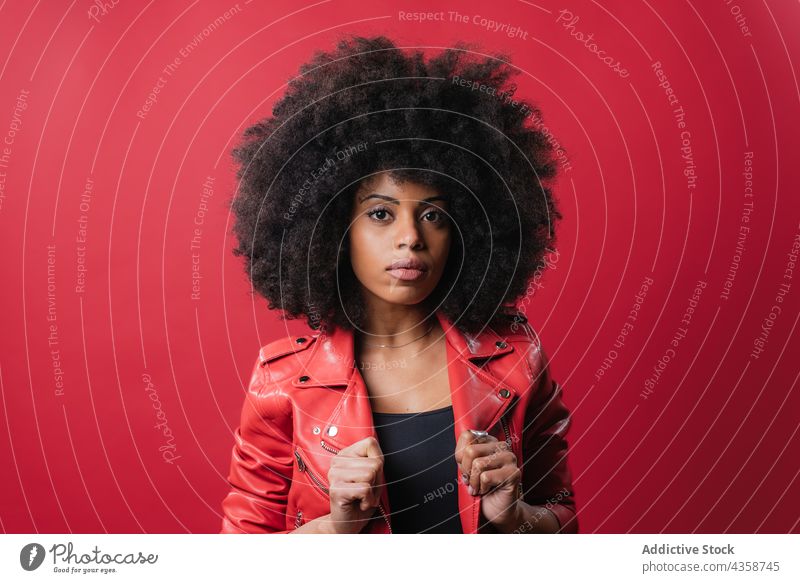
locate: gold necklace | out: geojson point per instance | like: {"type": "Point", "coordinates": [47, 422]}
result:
{"type": "Point", "coordinates": [399, 345]}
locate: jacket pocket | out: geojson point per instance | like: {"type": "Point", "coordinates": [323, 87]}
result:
{"type": "Point", "coordinates": [315, 480]}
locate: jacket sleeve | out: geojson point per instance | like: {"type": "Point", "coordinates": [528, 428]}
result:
{"type": "Point", "coordinates": [546, 478]}
{"type": "Point", "coordinates": [261, 461]}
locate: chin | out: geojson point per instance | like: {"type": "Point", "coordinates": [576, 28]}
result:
{"type": "Point", "coordinates": [407, 295]}
{"type": "Point", "coordinates": [405, 299]}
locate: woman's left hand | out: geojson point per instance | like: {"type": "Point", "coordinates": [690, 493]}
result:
{"type": "Point", "coordinates": [489, 467]}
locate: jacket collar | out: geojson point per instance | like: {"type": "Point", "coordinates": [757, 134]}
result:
{"type": "Point", "coordinates": [332, 362]}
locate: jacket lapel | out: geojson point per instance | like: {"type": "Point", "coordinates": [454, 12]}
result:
{"type": "Point", "coordinates": [479, 397]}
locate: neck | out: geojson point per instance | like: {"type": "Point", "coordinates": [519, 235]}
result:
{"type": "Point", "coordinates": [395, 325]}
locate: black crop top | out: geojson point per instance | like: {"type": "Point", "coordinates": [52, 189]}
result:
{"type": "Point", "coordinates": [420, 469]}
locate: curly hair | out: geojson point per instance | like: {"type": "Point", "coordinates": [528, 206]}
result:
{"type": "Point", "coordinates": [451, 122]}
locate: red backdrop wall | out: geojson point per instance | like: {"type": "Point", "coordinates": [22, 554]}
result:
{"type": "Point", "coordinates": [682, 183]}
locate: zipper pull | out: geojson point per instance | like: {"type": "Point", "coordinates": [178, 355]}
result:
{"type": "Point", "coordinates": [300, 463]}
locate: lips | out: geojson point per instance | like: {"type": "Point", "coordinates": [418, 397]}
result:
{"type": "Point", "coordinates": [408, 263]}
{"type": "Point", "coordinates": [408, 269]}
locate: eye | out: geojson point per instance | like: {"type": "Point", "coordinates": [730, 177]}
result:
{"type": "Point", "coordinates": [378, 214]}
{"type": "Point", "coordinates": [437, 216]}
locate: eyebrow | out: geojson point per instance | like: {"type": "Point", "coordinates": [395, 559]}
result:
{"type": "Point", "coordinates": [395, 201]}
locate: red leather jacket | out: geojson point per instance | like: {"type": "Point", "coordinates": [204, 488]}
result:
{"type": "Point", "coordinates": [307, 400]}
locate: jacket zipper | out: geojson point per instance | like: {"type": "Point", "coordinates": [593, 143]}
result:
{"type": "Point", "coordinates": [301, 465]}
{"type": "Point", "coordinates": [333, 450]}
{"type": "Point", "coordinates": [298, 519]}
{"type": "Point", "coordinates": [507, 433]}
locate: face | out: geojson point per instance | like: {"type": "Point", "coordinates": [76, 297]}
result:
{"type": "Point", "coordinates": [399, 240]}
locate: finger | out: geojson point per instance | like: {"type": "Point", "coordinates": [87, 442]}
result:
{"type": "Point", "coordinates": [496, 459]}
{"type": "Point", "coordinates": [504, 478]}
{"type": "Point", "coordinates": [471, 452]}
{"type": "Point", "coordinates": [352, 474]}
{"type": "Point", "coordinates": [367, 447]}
{"type": "Point", "coordinates": [356, 462]}
{"type": "Point", "coordinates": [372, 499]}
{"type": "Point", "coordinates": [464, 439]}
{"type": "Point", "coordinates": [349, 492]}
{"type": "Point", "coordinates": [467, 438]}
{"type": "Point", "coordinates": [354, 469]}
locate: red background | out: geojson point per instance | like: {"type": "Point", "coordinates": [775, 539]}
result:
{"type": "Point", "coordinates": [714, 448]}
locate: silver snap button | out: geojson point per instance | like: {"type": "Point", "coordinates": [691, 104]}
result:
{"type": "Point", "coordinates": [500, 344]}
{"type": "Point", "coordinates": [333, 430]}
{"type": "Point", "coordinates": [316, 430]}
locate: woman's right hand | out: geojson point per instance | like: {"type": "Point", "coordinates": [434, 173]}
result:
{"type": "Point", "coordinates": [355, 485]}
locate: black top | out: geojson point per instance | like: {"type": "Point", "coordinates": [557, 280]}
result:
{"type": "Point", "coordinates": [420, 469]}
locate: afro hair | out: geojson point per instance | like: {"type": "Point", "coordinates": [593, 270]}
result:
{"type": "Point", "coordinates": [449, 121]}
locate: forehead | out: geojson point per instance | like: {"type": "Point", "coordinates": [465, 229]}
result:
{"type": "Point", "coordinates": [385, 184]}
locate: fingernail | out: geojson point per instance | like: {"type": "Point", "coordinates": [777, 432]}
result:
{"type": "Point", "coordinates": [465, 478]}
{"type": "Point", "coordinates": [471, 490]}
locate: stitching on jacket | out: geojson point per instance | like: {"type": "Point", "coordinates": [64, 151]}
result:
{"type": "Point", "coordinates": [268, 374]}
{"type": "Point", "coordinates": [346, 394]}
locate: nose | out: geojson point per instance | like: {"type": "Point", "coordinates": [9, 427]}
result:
{"type": "Point", "coordinates": [408, 233]}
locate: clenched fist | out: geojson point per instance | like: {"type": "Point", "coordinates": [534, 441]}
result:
{"type": "Point", "coordinates": [355, 485]}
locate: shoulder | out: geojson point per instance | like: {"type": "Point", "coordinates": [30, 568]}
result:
{"type": "Point", "coordinates": [542, 395]}
{"type": "Point", "coordinates": [284, 357]}
{"type": "Point", "coordinates": [277, 361]}
{"type": "Point", "coordinates": [284, 347]}
{"type": "Point", "coordinates": [515, 329]}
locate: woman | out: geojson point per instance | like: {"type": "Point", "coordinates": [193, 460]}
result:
{"type": "Point", "coordinates": [396, 204]}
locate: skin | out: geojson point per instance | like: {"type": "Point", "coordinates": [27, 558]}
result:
{"type": "Point", "coordinates": [392, 220]}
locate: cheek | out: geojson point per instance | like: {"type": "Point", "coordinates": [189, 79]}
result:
{"type": "Point", "coordinates": [440, 242]}
{"type": "Point", "coordinates": [365, 246]}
